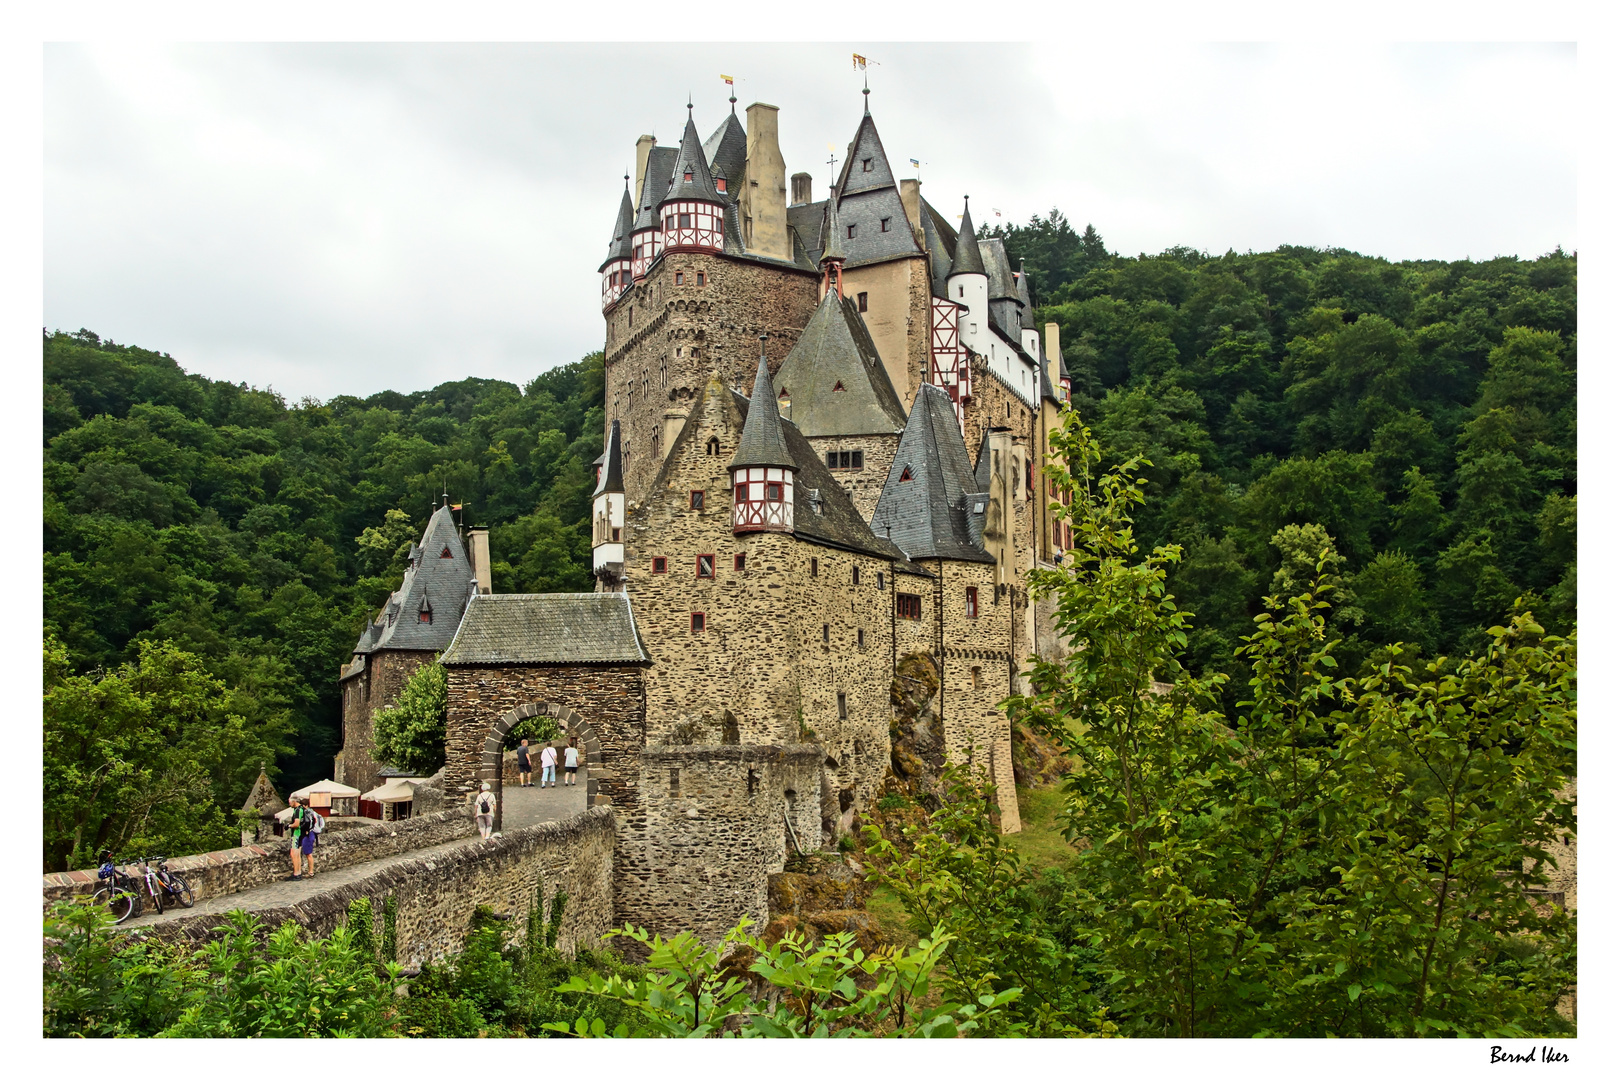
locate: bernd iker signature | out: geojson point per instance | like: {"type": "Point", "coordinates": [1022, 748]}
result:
{"type": "Point", "coordinates": [1546, 1054]}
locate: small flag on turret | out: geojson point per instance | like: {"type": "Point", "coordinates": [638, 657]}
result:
{"type": "Point", "coordinates": [860, 61]}
{"type": "Point", "coordinates": [727, 80]}
{"type": "Point", "coordinates": [915, 163]}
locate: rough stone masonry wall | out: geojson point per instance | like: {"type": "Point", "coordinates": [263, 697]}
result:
{"type": "Point", "coordinates": [898, 309]}
{"type": "Point", "coordinates": [219, 873]}
{"type": "Point", "coordinates": [436, 895]}
{"type": "Point", "coordinates": [651, 368]}
{"type": "Point", "coordinates": [863, 486]}
{"type": "Point", "coordinates": [609, 698]}
{"type": "Point", "coordinates": [711, 834]}
{"type": "Point", "coordinates": [376, 685]}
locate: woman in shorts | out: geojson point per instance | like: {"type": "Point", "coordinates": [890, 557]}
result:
{"type": "Point", "coordinates": [570, 762]}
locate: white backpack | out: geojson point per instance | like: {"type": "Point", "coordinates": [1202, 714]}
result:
{"type": "Point", "coordinates": [317, 826]}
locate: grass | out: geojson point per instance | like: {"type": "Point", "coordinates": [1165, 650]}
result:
{"type": "Point", "coordinates": [891, 916]}
{"type": "Point", "coordinates": [1042, 841]}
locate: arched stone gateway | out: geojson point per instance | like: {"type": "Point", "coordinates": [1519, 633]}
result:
{"type": "Point", "coordinates": [571, 723]}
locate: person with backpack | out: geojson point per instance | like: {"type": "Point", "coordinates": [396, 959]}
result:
{"type": "Point", "coordinates": [305, 824]}
{"type": "Point", "coordinates": [484, 810]}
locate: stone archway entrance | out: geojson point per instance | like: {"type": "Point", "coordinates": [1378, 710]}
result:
{"type": "Point", "coordinates": [491, 765]}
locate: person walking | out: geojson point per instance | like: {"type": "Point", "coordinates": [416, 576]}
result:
{"type": "Point", "coordinates": [548, 766]}
{"type": "Point", "coordinates": [303, 838]}
{"type": "Point", "coordinates": [484, 810]}
{"type": "Point", "coordinates": [525, 770]}
{"type": "Point", "coordinates": [570, 762]}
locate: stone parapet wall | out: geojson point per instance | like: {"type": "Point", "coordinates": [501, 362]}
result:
{"type": "Point", "coordinates": [711, 832]}
{"type": "Point", "coordinates": [436, 895]}
{"type": "Point", "coordinates": [218, 873]}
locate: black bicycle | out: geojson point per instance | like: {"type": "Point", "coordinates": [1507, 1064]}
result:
{"type": "Point", "coordinates": [149, 879]}
{"type": "Point", "coordinates": [174, 887]}
{"type": "Point", "coordinates": [121, 895]}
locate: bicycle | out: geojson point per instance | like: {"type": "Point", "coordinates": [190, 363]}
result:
{"type": "Point", "coordinates": [149, 876]}
{"type": "Point", "coordinates": [175, 886]}
{"type": "Point", "coordinates": [121, 895]}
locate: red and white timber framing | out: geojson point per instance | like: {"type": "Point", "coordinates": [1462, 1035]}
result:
{"type": "Point", "coordinates": [693, 225]}
{"type": "Point", "coordinates": [948, 368]}
{"type": "Point", "coordinates": [762, 500]}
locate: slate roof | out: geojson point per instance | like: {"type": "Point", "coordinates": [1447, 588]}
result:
{"type": "Point", "coordinates": [939, 241]}
{"type": "Point", "coordinates": [835, 349]}
{"type": "Point", "coordinates": [727, 149]}
{"type": "Point", "coordinates": [832, 242]}
{"type": "Point", "coordinates": [866, 199]}
{"type": "Point", "coordinates": [927, 515]}
{"type": "Point", "coordinates": [762, 442]}
{"type": "Point", "coordinates": [660, 165]}
{"type": "Point", "coordinates": [966, 259]}
{"type": "Point", "coordinates": [808, 221]}
{"type": "Point", "coordinates": [619, 246]}
{"type": "Point", "coordinates": [981, 467]}
{"type": "Point", "coordinates": [612, 473]}
{"type": "Point", "coordinates": [547, 628]}
{"type": "Point", "coordinates": [1026, 310]}
{"type": "Point", "coordinates": [691, 159]}
{"type": "Point", "coordinates": [993, 253]}
{"type": "Point", "coordinates": [433, 582]}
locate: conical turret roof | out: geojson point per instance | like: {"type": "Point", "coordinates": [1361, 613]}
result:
{"type": "Point", "coordinates": [439, 580]}
{"type": "Point", "coordinates": [691, 162]}
{"type": "Point", "coordinates": [612, 478]}
{"type": "Point", "coordinates": [967, 259]}
{"type": "Point", "coordinates": [832, 240]}
{"type": "Point", "coordinates": [654, 182]}
{"type": "Point", "coordinates": [1026, 313]}
{"type": "Point", "coordinates": [619, 247]}
{"type": "Point", "coordinates": [762, 442]}
{"type": "Point", "coordinates": [924, 507]}
{"type": "Point", "coordinates": [835, 379]}
{"type": "Point", "coordinates": [727, 149]}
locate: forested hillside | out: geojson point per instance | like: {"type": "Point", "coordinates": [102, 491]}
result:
{"type": "Point", "coordinates": [1421, 413]}
{"type": "Point", "coordinates": [260, 534]}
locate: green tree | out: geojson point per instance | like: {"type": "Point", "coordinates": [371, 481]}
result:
{"type": "Point", "coordinates": [410, 735]}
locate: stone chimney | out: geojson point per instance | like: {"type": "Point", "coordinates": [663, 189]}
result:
{"type": "Point", "coordinates": [478, 555]}
{"type": "Point", "coordinates": [644, 147]}
{"type": "Point", "coordinates": [1052, 352]}
{"type": "Point", "coordinates": [911, 202]}
{"type": "Point", "coordinates": [801, 188]}
{"type": "Point", "coordinates": [764, 195]}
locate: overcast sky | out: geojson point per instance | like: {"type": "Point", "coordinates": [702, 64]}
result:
{"type": "Point", "coordinates": [330, 219]}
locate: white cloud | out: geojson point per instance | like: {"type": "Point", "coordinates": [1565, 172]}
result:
{"type": "Point", "coordinates": [350, 218]}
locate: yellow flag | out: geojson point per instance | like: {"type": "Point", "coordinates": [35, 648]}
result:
{"type": "Point", "coordinates": [860, 61]}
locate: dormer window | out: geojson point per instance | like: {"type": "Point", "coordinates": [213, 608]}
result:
{"type": "Point", "coordinates": [688, 177]}
{"type": "Point", "coordinates": [425, 615]}
{"type": "Point", "coordinates": [866, 164]}
{"type": "Point", "coordinates": [849, 232]}
{"type": "Point", "coordinates": [883, 225]}
{"type": "Point", "coordinates": [838, 386]}
{"type": "Point", "coordinates": [720, 184]}
{"type": "Point", "coordinates": [905, 474]}
{"type": "Point", "coordinates": [445, 554]}
{"type": "Point", "coordinates": [713, 448]}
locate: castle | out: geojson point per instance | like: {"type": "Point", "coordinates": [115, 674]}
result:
{"type": "Point", "coordinates": [825, 428]}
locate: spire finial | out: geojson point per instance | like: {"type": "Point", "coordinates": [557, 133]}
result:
{"type": "Point", "coordinates": [866, 94]}
{"type": "Point", "coordinates": [689, 101]}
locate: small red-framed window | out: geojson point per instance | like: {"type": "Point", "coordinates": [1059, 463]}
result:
{"type": "Point", "coordinates": [908, 605]}
{"type": "Point", "coordinates": [699, 622]}
{"type": "Point", "coordinates": [739, 562]}
{"type": "Point", "coordinates": [695, 500]}
{"type": "Point", "coordinates": [680, 279]}
{"type": "Point", "coordinates": [972, 602]}
{"type": "Point", "coordinates": [839, 386]}
{"type": "Point", "coordinates": [773, 492]}
{"type": "Point", "coordinates": [425, 615]}
{"type": "Point", "coordinates": [445, 554]}
{"type": "Point", "coordinates": [905, 474]}
{"type": "Point", "coordinates": [705, 566]}
{"type": "Point", "coordinates": [686, 219]}
{"type": "Point", "coordinates": [660, 565]}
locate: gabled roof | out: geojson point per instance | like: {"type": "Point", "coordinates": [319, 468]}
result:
{"type": "Point", "coordinates": [993, 254]}
{"type": "Point", "coordinates": [868, 197]}
{"type": "Point", "coordinates": [547, 628]}
{"type": "Point", "coordinates": [691, 162]}
{"type": "Point", "coordinates": [660, 164]}
{"type": "Point", "coordinates": [727, 149]}
{"type": "Point", "coordinates": [263, 797]}
{"type": "Point", "coordinates": [1026, 312]}
{"type": "Point", "coordinates": [433, 582]}
{"type": "Point", "coordinates": [924, 502]}
{"type": "Point", "coordinates": [967, 259]}
{"type": "Point", "coordinates": [761, 442]}
{"type": "Point", "coordinates": [612, 476]}
{"type": "Point", "coordinates": [835, 381]}
{"type": "Point", "coordinates": [939, 241]}
{"type": "Point", "coordinates": [619, 246]}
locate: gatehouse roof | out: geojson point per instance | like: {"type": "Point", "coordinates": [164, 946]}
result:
{"type": "Point", "coordinates": [547, 628]}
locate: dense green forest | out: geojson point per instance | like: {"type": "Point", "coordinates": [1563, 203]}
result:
{"type": "Point", "coordinates": [1422, 414]}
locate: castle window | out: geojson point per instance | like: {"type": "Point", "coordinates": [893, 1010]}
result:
{"type": "Point", "coordinates": [705, 566]}
{"type": "Point", "coordinates": [425, 615]}
{"type": "Point", "coordinates": [905, 474]}
{"type": "Point", "coordinates": [838, 386]}
{"type": "Point", "coordinates": [843, 707]}
{"type": "Point", "coordinates": [1029, 479]}
{"type": "Point", "coordinates": [826, 633]}
{"type": "Point", "coordinates": [855, 575]}
{"type": "Point", "coordinates": [660, 564]}
{"type": "Point", "coordinates": [696, 500]}
{"type": "Point", "coordinates": [883, 225]}
{"type": "Point", "coordinates": [688, 178]}
{"type": "Point", "coordinates": [773, 492]}
{"type": "Point", "coordinates": [445, 554]}
{"type": "Point", "coordinates": [720, 184]}
{"type": "Point", "coordinates": [740, 563]}
{"type": "Point", "coordinates": [713, 449]}
{"type": "Point", "coordinates": [675, 774]}
{"type": "Point", "coordinates": [961, 291]}
{"type": "Point", "coordinates": [700, 274]}
{"type": "Point", "coordinates": [813, 567]}
{"type": "Point", "coordinates": [685, 219]}
{"type": "Point", "coordinates": [697, 622]}
{"type": "Point", "coordinates": [880, 581]}
{"type": "Point", "coordinates": [615, 536]}
{"type": "Point", "coordinates": [679, 278]}
{"type": "Point", "coordinates": [849, 232]}
{"type": "Point", "coordinates": [908, 605]}
{"type": "Point", "coordinates": [972, 602]}
{"type": "Point", "coordinates": [866, 164]}
{"type": "Point", "coordinates": [977, 675]}
{"type": "Point", "coordinates": [860, 639]}
{"type": "Point", "coordinates": [753, 781]}
{"type": "Point", "coordinates": [860, 301]}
